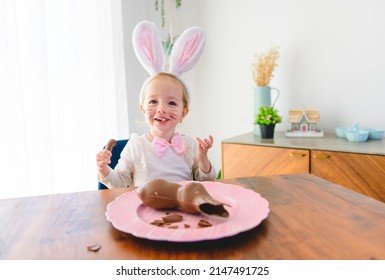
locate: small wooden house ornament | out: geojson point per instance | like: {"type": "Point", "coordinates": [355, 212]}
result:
{"type": "Point", "coordinates": [303, 123]}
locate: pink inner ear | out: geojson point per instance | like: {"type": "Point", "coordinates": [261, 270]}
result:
{"type": "Point", "coordinates": [146, 45]}
{"type": "Point", "coordinates": [189, 49]}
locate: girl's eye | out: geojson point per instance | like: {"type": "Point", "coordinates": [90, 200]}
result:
{"type": "Point", "coordinates": [172, 103]}
{"type": "Point", "coordinates": [152, 102]}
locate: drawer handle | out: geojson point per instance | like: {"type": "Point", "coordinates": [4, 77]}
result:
{"type": "Point", "coordinates": [322, 156]}
{"type": "Point", "coordinates": [297, 155]}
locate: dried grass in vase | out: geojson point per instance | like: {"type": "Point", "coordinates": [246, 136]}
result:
{"type": "Point", "coordinates": [264, 67]}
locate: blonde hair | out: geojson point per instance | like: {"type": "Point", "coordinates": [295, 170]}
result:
{"type": "Point", "coordinates": [162, 74]}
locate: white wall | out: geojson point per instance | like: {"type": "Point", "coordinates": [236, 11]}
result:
{"type": "Point", "coordinates": [332, 59]}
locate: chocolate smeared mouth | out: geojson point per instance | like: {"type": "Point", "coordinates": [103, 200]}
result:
{"type": "Point", "coordinates": [161, 119]}
{"type": "Point", "coordinates": [191, 198]}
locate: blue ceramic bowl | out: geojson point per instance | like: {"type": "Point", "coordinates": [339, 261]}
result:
{"type": "Point", "coordinates": [341, 131]}
{"type": "Point", "coordinates": [357, 135]}
{"type": "Point", "coordinates": [376, 134]}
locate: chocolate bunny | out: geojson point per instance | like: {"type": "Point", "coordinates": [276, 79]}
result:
{"type": "Point", "coordinates": [191, 197]}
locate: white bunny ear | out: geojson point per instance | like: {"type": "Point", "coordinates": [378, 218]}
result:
{"type": "Point", "coordinates": [187, 50]}
{"type": "Point", "coordinates": [148, 47]}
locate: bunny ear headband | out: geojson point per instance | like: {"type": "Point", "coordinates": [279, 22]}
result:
{"type": "Point", "coordinates": [185, 53]}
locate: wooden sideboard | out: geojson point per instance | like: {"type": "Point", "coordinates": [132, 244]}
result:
{"type": "Point", "coordinates": [357, 166]}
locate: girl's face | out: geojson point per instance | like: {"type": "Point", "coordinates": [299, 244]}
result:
{"type": "Point", "coordinates": [163, 106]}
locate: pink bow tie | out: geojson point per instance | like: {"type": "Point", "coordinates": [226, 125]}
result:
{"type": "Point", "coordinates": [161, 145]}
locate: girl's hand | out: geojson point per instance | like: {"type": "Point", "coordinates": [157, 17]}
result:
{"type": "Point", "coordinates": [103, 158]}
{"type": "Point", "coordinates": [203, 148]}
{"type": "Point", "coordinates": [205, 145]}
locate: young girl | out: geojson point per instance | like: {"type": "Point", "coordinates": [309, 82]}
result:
{"type": "Point", "coordinates": [164, 99]}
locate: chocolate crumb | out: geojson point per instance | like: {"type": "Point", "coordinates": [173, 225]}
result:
{"type": "Point", "coordinates": [173, 227]}
{"type": "Point", "coordinates": [204, 223]}
{"type": "Point", "coordinates": [172, 218]}
{"type": "Point", "coordinates": [94, 248]}
{"type": "Point", "coordinates": [158, 223]}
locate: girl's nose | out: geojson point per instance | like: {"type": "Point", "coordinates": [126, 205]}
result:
{"type": "Point", "coordinates": [161, 109]}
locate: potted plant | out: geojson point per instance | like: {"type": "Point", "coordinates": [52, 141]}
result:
{"type": "Point", "coordinates": [267, 117]}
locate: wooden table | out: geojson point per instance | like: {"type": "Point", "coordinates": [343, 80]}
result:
{"type": "Point", "coordinates": [309, 218]}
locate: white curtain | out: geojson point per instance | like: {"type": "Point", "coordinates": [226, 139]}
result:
{"type": "Point", "coordinates": [62, 92]}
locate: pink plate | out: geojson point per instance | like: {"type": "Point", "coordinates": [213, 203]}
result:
{"type": "Point", "coordinates": [247, 210]}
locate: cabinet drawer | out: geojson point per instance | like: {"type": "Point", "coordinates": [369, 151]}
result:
{"type": "Point", "coordinates": [249, 160]}
{"type": "Point", "coordinates": [359, 172]}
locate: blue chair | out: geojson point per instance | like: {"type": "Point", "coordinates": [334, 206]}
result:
{"type": "Point", "coordinates": [116, 151]}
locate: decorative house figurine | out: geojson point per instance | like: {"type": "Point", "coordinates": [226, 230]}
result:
{"type": "Point", "coordinates": [304, 124]}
